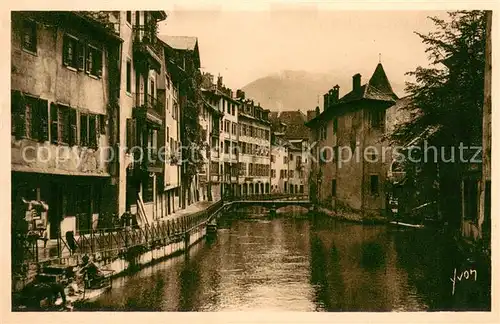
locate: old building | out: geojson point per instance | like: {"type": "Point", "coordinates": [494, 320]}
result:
{"type": "Point", "coordinates": [184, 57]}
{"type": "Point", "coordinates": [141, 115]}
{"type": "Point", "coordinates": [298, 166]}
{"type": "Point", "coordinates": [279, 155]}
{"type": "Point", "coordinates": [296, 134]}
{"type": "Point", "coordinates": [210, 120]}
{"type": "Point", "coordinates": [350, 166]}
{"type": "Point", "coordinates": [255, 146]}
{"type": "Point", "coordinates": [229, 152]}
{"type": "Point", "coordinates": [61, 80]}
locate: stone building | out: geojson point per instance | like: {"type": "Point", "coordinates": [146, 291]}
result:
{"type": "Point", "coordinates": [254, 145]}
{"type": "Point", "coordinates": [351, 164]}
{"type": "Point", "coordinates": [211, 118]}
{"type": "Point", "coordinates": [61, 80]}
{"type": "Point", "coordinates": [142, 116]}
{"type": "Point", "coordinates": [279, 155]}
{"type": "Point", "coordinates": [229, 153]}
{"type": "Point", "coordinates": [296, 134]}
{"type": "Point", "coordinates": [183, 60]}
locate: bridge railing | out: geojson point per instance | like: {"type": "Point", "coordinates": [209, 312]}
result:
{"type": "Point", "coordinates": [262, 197]}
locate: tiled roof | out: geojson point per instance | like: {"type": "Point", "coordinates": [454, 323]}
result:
{"type": "Point", "coordinates": [377, 88]}
{"type": "Point", "coordinates": [180, 42]}
{"type": "Point", "coordinates": [295, 121]}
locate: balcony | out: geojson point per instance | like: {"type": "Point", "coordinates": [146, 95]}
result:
{"type": "Point", "coordinates": [148, 107]}
{"type": "Point", "coordinates": [146, 46]}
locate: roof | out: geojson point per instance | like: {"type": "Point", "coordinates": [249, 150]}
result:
{"type": "Point", "coordinates": [377, 88]}
{"type": "Point", "coordinates": [295, 121]}
{"type": "Point", "coordinates": [180, 42]}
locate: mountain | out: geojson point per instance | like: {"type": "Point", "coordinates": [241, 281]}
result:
{"type": "Point", "coordinates": [299, 90]}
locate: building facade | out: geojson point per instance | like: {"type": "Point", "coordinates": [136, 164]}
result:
{"type": "Point", "coordinates": [142, 116]}
{"type": "Point", "coordinates": [254, 142]}
{"type": "Point", "coordinates": [61, 67]}
{"type": "Point", "coordinates": [211, 123]}
{"type": "Point", "coordinates": [279, 155]}
{"type": "Point", "coordinates": [351, 166]}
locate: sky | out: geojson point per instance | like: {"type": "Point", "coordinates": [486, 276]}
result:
{"type": "Point", "coordinates": [245, 45]}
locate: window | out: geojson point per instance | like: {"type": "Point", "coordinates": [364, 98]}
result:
{"type": "Point", "coordinates": [291, 173]}
{"type": "Point", "coordinates": [233, 109]}
{"type": "Point", "coordinates": [147, 189]}
{"type": "Point", "coordinates": [73, 52]}
{"type": "Point", "coordinates": [129, 75]}
{"type": "Point", "coordinates": [29, 117]}
{"type": "Point", "coordinates": [374, 184]}
{"type": "Point", "coordinates": [335, 125]}
{"type": "Point", "coordinates": [29, 35]}
{"type": "Point", "coordinates": [131, 132]}
{"type": "Point", "coordinates": [273, 158]}
{"type": "Point", "coordinates": [273, 173]}
{"type": "Point", "coordinates": [129, 17]}
{"type": "Point", "coordinates": [377, 119]}
{"type": "Point", "coordinates": [334, 187]}
{"type": "Point", "coordinates": [152, 88]}
{"type": "Point", "coordinates": [226, 147]}
{"type": "Point", "coordinates": [88, 130]}
{"type": "Point", "coordinates": [94, 61]}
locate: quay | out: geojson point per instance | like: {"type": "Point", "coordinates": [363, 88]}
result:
{"type": "Point", "coordinates": [118, 251]}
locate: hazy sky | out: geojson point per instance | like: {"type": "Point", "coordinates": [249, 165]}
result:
{"type": "Point", "coordinates": [245, 45]}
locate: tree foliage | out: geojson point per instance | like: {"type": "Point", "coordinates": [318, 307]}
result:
{"type": "Point", "coordinates": [449, 93]}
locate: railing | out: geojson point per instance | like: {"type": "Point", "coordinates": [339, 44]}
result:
{"type": "Point", "coordinates": [262, 197]}
{"type": "Point", "coordinates": [142, 99]}
{"type": "Point", "coordinates": [145, 35]}
{"type": "Point", "coordinates": [115, 240]}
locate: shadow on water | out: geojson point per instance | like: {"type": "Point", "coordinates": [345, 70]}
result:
{"type": "Point", "coordinates": [372, 255]}
{"type": "Point", "coordinates": [291, 263]}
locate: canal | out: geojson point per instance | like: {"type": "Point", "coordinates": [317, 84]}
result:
{"type": "Point", "coordinates": [294, 263]}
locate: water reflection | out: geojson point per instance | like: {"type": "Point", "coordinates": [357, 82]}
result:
{"type": "Point", "coordinates": [291, 263]}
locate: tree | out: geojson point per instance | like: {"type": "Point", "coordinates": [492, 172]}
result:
{"type": "Point", "coordinates": [448, 96]}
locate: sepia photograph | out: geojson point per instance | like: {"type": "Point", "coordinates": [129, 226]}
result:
{"type": "Point", "coordinates": [295, 158]}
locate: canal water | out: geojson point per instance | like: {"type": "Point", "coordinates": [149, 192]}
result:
{"type": "Point", "coordinates": [295, 263]}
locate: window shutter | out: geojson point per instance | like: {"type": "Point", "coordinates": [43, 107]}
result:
{"type": "Point", "coordinates": [129, 133]}
{"type": "Point", "coordinates": [98, 63]}
{"type": "Point", "coordinates": [65, 50]}
{"type": "Point", "coordinates": [43, 115]}
{"type": "Point", "coordinates": [102, 124]}
{"type": "Point", "coordinates": [17, 115]}
{"type": "Point", "coordinates": [92, 131]}
{"type": "Point", "coordinates": [80, 54]}
{"type": "Point", "coordinates": [72, 128]}
{"type": "Point", "coordinates": [84, 129]}
{"type": "Point", "coordinates": [53, 123]}
{"type": "Point", "coordinates": [66, 128]}
{"type": "Point", "coordinates": [88, 64]}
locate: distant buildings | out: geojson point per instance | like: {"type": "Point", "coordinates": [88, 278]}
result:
{"type": "Point", "coordinates": [348, 125]}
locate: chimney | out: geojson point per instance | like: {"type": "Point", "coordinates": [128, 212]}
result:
{"type": "Point", "coordinates": [326, 101]}
{"type": "Point", "coordinates": [240, 94]}
{"type": "Point", "coordinates": [317, 110]}
{"type": "Point", "coordinates": [356, 81]}
{"type": "Point", "coordinates": [219, 82]}
{"type": "Point", "coordinates": [336, 89]}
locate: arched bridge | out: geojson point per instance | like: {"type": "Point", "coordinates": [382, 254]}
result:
{"type": "Point", "coordinates": [272, 202]}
